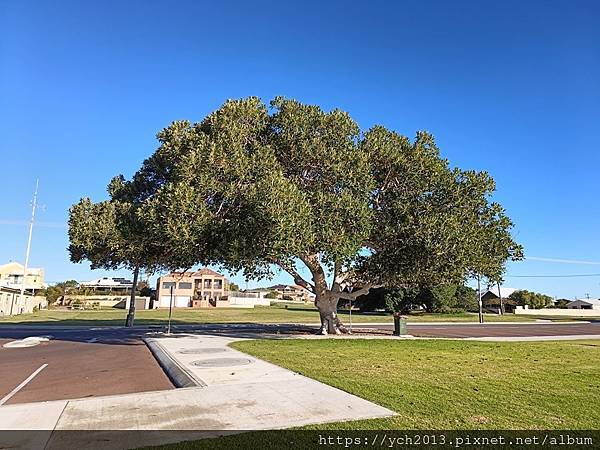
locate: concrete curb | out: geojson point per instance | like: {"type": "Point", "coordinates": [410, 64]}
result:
{"type": "Point", "coordinates": [179, 375]}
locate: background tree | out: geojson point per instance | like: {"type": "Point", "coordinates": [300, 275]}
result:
{"type": "Point", "coordinates": [465, 298]}
{"type": "Point", "coordinates": [143, 289]}
{"type": "Point", "coordinates": [372, 300]}
{"type": "Point", "coordinates": [305, 191]}
{"type": "Point", "coordinates": [531, 299]}
{"type": "Point", "coordinates": [402, 300]}
{"type": "Point", "coordinates": [54, 292]}
{"type": "Point", "coordinates": [109, 236]}
{"type": "Point", "coordinates": [448, 298]}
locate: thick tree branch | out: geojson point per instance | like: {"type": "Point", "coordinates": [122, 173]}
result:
{"type": "Point", "coordinates": [338, 277]}
{"type": "Point", "coordinates": [354, 295]}
{"type": "Point", "coordinates": [318, 274]}
{"type": "Point", "coordinates": [298, 279]}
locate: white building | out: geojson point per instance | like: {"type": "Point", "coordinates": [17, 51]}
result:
{"type": "Point", "coordinates": [11, 276]}
{"type": "Point", "coordinates": [111, 284]}
{"type": "Point", "coordinates": [11, 302]}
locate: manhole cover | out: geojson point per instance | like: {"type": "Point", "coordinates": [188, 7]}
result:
{"type": "Point", "coordinates": [202, 351]}
{"type": "Point", "coordinates": [222, 362]}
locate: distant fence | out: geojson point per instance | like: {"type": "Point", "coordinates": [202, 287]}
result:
{"type": "Point", "coordinates": [247, 302]}
{"type": "Point", "coordinates": [558, 312]}
{"type": "Point", "coordinates": [240, 294]}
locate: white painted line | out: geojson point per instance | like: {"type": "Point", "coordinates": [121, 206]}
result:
{"type": "Point", "coordinates": [22, 385]}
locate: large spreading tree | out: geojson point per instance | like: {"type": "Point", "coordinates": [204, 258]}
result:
{"type": "Point", "coordinates": [254, 189]}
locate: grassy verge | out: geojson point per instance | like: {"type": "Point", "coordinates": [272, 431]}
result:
{"type": "Point", "coordinates": [438, 385]}
{"type": "Point", "coordinates": [453, 384]}
{"type": "Point", "coordinates": [274, 314]}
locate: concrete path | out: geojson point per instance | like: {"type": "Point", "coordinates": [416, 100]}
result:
{"type": "Point", "coordinates": [240, 392]}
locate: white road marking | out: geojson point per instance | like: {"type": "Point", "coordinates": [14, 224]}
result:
{"type": "Point", "coordinates": [31, 341]}
{"type": "Point", "coordinates": [22, 385]}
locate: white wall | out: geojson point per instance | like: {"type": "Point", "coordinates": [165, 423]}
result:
{"type": "Point", "coordinates": [24, 306]}
{"type": "Point", "coordinates": [558, 312]}
{"type": "Point", "coordinates": [245, 302]}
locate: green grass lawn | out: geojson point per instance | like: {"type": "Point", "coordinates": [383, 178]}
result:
{"type": "Point", "coordinates": [437, 385]}
{"type": "Point", "coordinates": [297, 313]}
{"type": "Point", "coordinates": [453, 384]}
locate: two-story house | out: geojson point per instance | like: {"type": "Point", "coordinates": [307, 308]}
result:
{"type": "Point", "coordinates": [204, 288]}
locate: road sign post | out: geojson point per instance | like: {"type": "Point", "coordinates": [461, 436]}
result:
{"type": "Point", "coordinates": [170, 311]}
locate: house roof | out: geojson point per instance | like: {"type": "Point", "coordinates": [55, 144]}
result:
{"type": "Point", "coordinates": [207, 271]}
{"type": "Point", "coordinates": [284, 286]}
{"type": "Point", "coordinates": [505, 291]}
{"type": "Point", "coordinates": [297, 286]}
{"type": "Point", "coordinates": [108, 282]}
{"type": "Point", "coordinates": [203, 271]}
{"type": "Point", "coordinates": [16, 268]}
{"type": "Point", "coordinates": [589, 301]}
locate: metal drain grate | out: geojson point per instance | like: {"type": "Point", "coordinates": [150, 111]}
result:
{"type": "Point", "coordinates": [222, 362]}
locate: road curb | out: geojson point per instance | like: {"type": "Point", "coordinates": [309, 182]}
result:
{"type": "Point", "coordinates": [179, 375]}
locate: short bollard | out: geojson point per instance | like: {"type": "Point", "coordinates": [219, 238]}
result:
{"type": "Point", "coordinates": [399, 325]}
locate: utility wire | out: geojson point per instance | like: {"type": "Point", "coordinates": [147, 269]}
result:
{"type": "Point", "coordinates": [556, 276]}
{"type": "Point", "coordinates": [561, 260]}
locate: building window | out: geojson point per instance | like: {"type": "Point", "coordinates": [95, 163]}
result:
{"type": "Point", "coordinates": [207, 284]}
{"type": "Point", "coordinates": [183, 285]}
{"type": "Point", "coordinates": [168, 284]}
{"type": "Point", "coordinates": [218, 284]}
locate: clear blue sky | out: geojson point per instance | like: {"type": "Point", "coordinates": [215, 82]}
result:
{"type": "Point", "coordinates": [511, 87]}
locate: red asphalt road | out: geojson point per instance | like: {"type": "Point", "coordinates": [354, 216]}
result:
{"type": "Point", "coordinates": [79, 369]}
{"type": "Point", "coordinates": [504, 330]}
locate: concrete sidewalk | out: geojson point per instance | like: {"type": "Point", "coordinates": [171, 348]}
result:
{"type": "Point", "coordinates": [240, 392]}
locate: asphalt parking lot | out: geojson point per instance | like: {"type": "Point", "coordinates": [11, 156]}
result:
{"type": "Point", "coordinates": [67, 369]}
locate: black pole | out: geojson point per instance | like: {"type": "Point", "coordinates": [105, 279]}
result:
{"type": "Point", "coordinates": [131, 313]}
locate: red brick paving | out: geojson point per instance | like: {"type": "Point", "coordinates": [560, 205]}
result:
{"type": "Point", "coordinates": [79, 369]}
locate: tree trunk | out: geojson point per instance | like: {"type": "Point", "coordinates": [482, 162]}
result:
{"type": "Point", "coordinates": [131, 313]}
{"type": "Point", "coordinates": [330, 322]}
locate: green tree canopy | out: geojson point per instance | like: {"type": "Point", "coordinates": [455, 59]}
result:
{"type": "Point", "coordinates": [531, 299]}
{"type": "Point", "coordinates": [54, 292]}
{"type": "Point", "coordinates": [110, 235]}
{"type": "Point", "coordinates": [303, 190]}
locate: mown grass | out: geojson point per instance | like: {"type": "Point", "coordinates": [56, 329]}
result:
{"type": "Point", "coordinates": [435, 384]}
{"type": "Point", "coordinates": [296, 313]}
